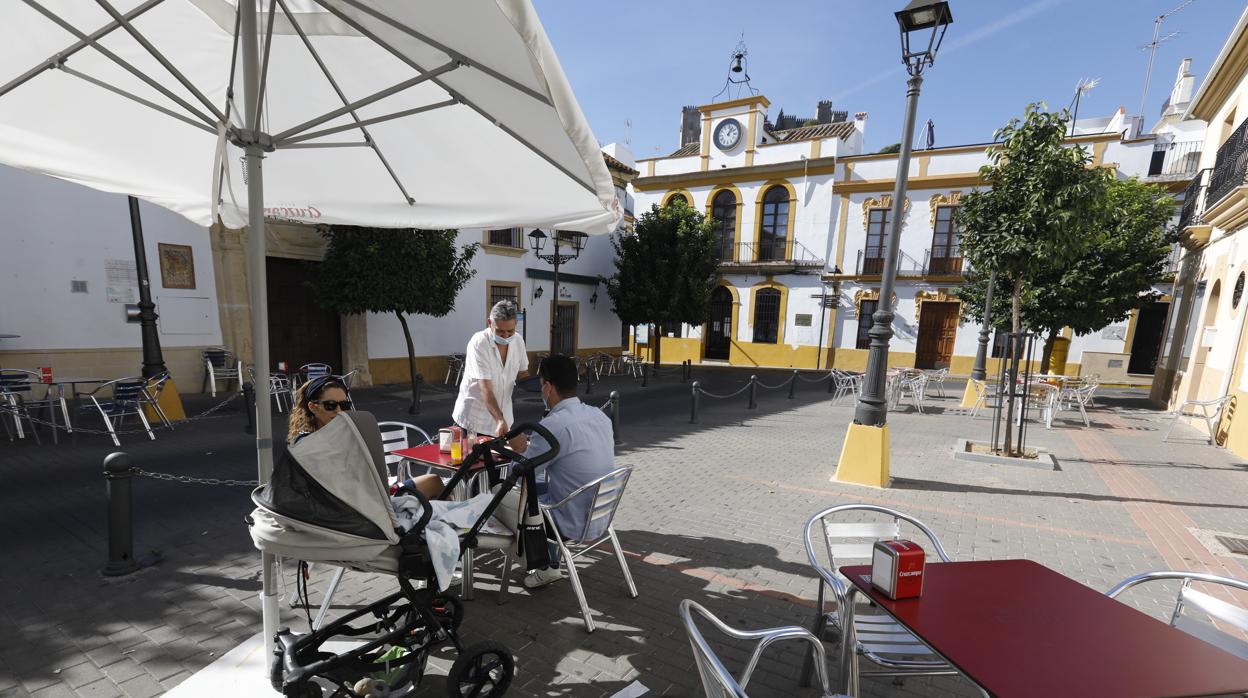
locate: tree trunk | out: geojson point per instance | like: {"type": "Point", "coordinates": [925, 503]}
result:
{"type": "Point", "coordinates": [658, 343]}
{"type": "Point", "coordinates": [1012, 381]}
{"type": "Point", "coordinates": [1047, 356]}
{"type": "Point", "coordinates": [413, 408]}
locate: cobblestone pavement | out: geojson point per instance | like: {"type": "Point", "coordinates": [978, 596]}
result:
{"type": "Point", "coordinates": [714, 512]}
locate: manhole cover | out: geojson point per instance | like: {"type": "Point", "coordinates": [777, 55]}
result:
{"type": "Point", "coordinates": [1239, 546]}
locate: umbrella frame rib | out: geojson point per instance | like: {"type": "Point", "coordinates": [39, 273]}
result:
{"type": "Point", "coordinates": [149, 104]}
{"type": "Point", "coordinates": [579, 179]}
{"type": "Point", "coordinates": [365, 122]}
{"type": "Point", "coordinates": [160, 58]}
{"type": "Point", "coordinates": [328, 144]}
{"type": "Point", "coordinates": [121, 62]}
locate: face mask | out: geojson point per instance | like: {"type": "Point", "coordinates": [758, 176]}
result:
{"type": "Point", "coordinates": [503, 341]}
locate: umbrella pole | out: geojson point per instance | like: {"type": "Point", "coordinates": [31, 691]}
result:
{"type": "Point", "coordinates": [259, 300]}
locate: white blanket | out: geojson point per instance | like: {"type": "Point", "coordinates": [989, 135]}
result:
{"type": "Point", "coordinates": [442, 532]}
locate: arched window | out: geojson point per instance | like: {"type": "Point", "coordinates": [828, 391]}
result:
{"type": "Point", "coordinates": [724, 218]}
{"type": "Point", "coordinates": [677, 197]}
{"type": "Point", "coordinates": [767, 315]}
{"type": "Point", "coordinates": [773, 229]}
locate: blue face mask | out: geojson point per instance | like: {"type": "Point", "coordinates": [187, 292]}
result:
{"type": "Point", "coordinates": [503, 341]}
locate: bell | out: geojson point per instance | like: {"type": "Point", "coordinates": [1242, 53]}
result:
{"type": "Point", "coordinates": [736, 62]}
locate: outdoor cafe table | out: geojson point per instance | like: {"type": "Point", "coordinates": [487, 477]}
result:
{"type": "Point", "coordinates": [75, 400]}
{"type": "Point", "coordinates": [433, 457]}
{"type": "Point", "coordinates": [1018, 629]}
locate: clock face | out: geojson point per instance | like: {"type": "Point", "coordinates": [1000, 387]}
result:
{"type": "Point", "coordinates": [728, 134]}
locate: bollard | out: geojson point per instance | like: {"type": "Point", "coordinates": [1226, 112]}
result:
{"type": "Point", "coordinates": [117, 480]}
{"type": "Point", "coordinates": [792, 384]}
{"type": "Point", "coordinates": [249, 406]}
{"type": "Point", "coordinates": [615, 416]}
{"type": "Point", "coordinates": [693, 405]}
{"type": "Point", "coordinates": [645, 375]}
{"type": "Point", "coordinates": [589, 380]}
{"type": "Point", "coordinates": [753, 393]}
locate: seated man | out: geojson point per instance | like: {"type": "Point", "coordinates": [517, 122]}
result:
{"type": "Point", "coordinates": [586, 453]}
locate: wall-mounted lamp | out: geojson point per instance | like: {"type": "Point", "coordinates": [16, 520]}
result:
{"type": "Point", "coordinates": [593, 300]}
{"type": "Point", "coordinates": [537, 292]}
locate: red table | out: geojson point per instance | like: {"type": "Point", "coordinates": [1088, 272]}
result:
{"type": "Point", "coordinates": [1017, 628]}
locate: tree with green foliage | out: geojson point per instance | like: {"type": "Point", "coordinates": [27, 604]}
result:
{"type": "Point", "coordinates": [665, 269]}
{"type": "Point", "coordinates": [1113, 275]}
{"type": "Point", "coordinates": [400, 271]}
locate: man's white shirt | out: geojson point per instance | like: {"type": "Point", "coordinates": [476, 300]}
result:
{"type": "Point", "coordinates": [482, 361]}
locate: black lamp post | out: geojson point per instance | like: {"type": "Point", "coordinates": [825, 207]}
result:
{"type": "Point", "coordinates": [537, 239]}
{"type": "Point", "coordinates": [153, 360]}
{"type": "Point", "coordinates": [923, 24]}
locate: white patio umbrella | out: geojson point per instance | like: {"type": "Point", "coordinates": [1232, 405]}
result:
{"type": "Point", "coordinates": [386, 113]}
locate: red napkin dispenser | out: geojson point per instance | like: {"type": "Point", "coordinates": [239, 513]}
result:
{"type": "Point", "coordinates": [897, 568]}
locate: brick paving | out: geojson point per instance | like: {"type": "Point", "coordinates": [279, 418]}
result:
{"type": "Point", "coordinates": [714, 513]}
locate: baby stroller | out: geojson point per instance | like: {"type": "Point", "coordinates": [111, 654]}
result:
{"type": "Point", "coordinates": [329, 502]}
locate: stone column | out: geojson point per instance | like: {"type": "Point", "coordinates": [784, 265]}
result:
{"type": "Point", "coordinates": [229, 264]}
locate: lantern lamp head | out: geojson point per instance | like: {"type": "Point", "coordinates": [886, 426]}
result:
{"type": "Point", "coordinates": [922, 24]}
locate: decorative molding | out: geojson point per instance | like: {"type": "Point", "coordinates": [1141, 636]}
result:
{"type": "Point", "coordinates": [953, 199]}
{"type": "Point", "coordinates": [940, 295]}
{"type": "Point", "coordinates": [885, 201]}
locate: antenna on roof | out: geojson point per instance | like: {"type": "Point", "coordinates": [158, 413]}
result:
{"type": "Point", "coordinates": [1151, 47]}
{"type": "Point", "coordinates": [628, 132]}
{"type": "Point", "coordinates": [738, 72]}
{"type": "Point", "coordinates": [1085, 86]}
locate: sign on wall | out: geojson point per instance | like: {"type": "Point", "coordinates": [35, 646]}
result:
{"type": "Point", "coordinates": [121, 281]}
{"type": "Point", "coordinates": [802, 320]}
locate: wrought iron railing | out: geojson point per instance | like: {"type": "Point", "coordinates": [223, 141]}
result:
{"type": "Point", "coordinates": [1194, 200]}
{"type": "Point", "coordinates": [943, 262]}
{"type": "Point", "coordinates": [1175, 159]}
{"type": "Point", "coordinates": [871, 263]}
{"type": "Point", "coordinates": [777, 251]}
{"type": "Point", "coordinates": [1173, 259]}
{"type": "Point", "coordinates": [1231, 166]}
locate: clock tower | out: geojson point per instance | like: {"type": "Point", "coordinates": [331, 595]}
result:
{"type": "Point", "coordinates": [731, 131]}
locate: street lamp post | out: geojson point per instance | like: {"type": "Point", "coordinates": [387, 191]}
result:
{"type": "Point", "coordinates": [980, 371]}
{"type": "Point", "coordinates": [537, 239]}
{"type": "Point", "coordinates": [917, 17]}
{"type": "Point", "coordinates": [864, 455]}
{"type": "Point", "coordinates": [153, 360]}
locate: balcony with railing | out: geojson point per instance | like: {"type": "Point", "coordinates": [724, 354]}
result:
{"type": "Point", "coordinates": [1226, 201]}
{"type": "Point", "coordinates": [942, 263]}
{"type": "Point", "coordinates": [773, 255]}
{"type": "Point", "coordinates": [1175, 160]}
{"type": "Point", "coordinates": [871, 263]}
{"type": "Point", "coordinates": [1193, 209]}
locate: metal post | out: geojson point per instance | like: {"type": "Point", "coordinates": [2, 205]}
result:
{"type": "Point", "coordinates": [645, 375]}
{"type": "Point", "coordinates": [980, 371]}
{"type": "Point", "coordinates": [414, 408]}
{"type": "Point", "coordinates": [153, 360]}
{"type": "Point", "coordinates": [117, 479]}
{"type": "Point", "coordinates": [554, 302]}
{"type": "Point", "coordinates": [249, 407]}
{"type": "Point", "coordinates": [693, 405]}
{"type": "Point", "coordinates": [589, 379]}
{"type": "Point", "coordinates": [753, 393]}
{"type": "Point", "coordinates": [792, 384]}
{"type": "Point", "coordinates": [872, 406]}
{"type": "Point", "coordinates": [254, 153]}
{"type": "Point", "coordinates": [823, 317]}
{"type": "Point", "coordinates": [615, 416]}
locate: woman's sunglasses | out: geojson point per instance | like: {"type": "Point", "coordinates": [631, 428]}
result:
{"type": "Point", "coordinates": [333, 405]}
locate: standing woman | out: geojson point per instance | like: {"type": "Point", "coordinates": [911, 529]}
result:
{"type": "Point", "coordinates": [317, 402]}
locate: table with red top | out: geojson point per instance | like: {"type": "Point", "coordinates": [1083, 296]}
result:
{"type": "Point", "coordinates": [1019, 629]}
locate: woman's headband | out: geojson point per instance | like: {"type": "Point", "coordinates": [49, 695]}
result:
{"type": "Point", "coordinates": [316, 385]}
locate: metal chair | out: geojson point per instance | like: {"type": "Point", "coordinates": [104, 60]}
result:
{"type": "Point", "coordinates": [913, 382]}
{"type": "Point", "coordinates": [596, 529]}
{"type": "Point", "coordinates": [1044, 397]}
{"type": "Point", "coordinates": [314, 371]}
{"type": "Point", "coordinates": [985, 392]}
{"type": "Point", "coordinates": [937, 378]}
{"type": "Point", "coordinates": [153, 388]}
{"type": "Point", "coordinates": [1188, 598]}
{"type": "Point", "coordinates": [846, 384]}
{"type": "Point", "coordinates": [1211, 418]}
{"type": "Point", "coordinates": [281, 388]}
{"type": "Point", "coordinates": [17, 390]}
{"type": "Point", "coordinates": [455, 365]}
{"type": "Point", "coordinates": [127, 399]}
{"type": "Point", "coordinates": [865, 630]}
{"type": "Point", "coordinates": [717, 682]}
{"type": "Point", "coordinates": [221, 365]}
{"type": "Point", "coordinates": [396, 436]}
{"type": "Point", "coordinates": [1079, 396]}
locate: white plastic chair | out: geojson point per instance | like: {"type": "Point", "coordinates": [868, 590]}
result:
{"type": "Point", "coordinates": [397, 436]}
{"type": "Point", "coordinates": [717, 682]}
{"type": "Point", "coordinates": [865, 630]}
{"type": "Point", "coordinates": [605, 494]}
{"type": "Point", "coordinates": [1211, 418]}
{"type": "Point", "coordinates": [1188, 599]}
{"type": "Point", "coordinates": [221, 365]}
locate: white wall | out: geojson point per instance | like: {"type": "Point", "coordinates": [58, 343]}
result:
{"type": "Point", "coordinates": [55, 232]}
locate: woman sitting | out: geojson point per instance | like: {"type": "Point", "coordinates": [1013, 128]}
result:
{"type": "Point", "coordinates": [320, 400]}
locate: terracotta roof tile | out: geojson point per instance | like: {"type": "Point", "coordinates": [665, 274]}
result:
{"type": "Point", "coordinates": [687, 149]}
{"type": "Point", "coordinates": [617, 165]}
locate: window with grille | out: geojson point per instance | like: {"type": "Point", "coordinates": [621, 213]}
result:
{"type": "Point", "coordinates": [767, 316]}
{"type": "Point", "coordinates": [866, 308]}
{"type": "Point", "coordinates": [506, 237]}
{"type": "Point", "coordinates": [946, 253]}
{"type": "Point", "coordinates": [498, 292]}
{"type": "Point", "coordinates": [877, 229]}
{"type": "Point", "coordinates": [724, 218]}
{"type": "Point", "coordinates": [773, 229]}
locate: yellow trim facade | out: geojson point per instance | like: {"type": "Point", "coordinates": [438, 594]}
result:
{"type": "Point", "coordinates": [736, 233]}
{"type": "Point", "coordinates": [667, 198]}
{"type": "Point", "coordinates": [758, 215]}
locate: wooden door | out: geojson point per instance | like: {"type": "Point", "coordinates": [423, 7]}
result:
{"type": "Point", "coordinates": [565, 329]}
{"type": "Point", "coordinates": [300, 330]}
{"type": "Point", "coordinates": [938, 327]}
{"type": "Point", "coordinates": [719, 325]}
{"type": "Point", "coordinates": [1150, 325]}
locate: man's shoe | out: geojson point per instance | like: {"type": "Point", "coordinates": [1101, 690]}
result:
{"type": "Point", "coordinates": [542, 577]}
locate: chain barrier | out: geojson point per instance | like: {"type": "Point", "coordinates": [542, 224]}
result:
{"type": "Point", "coordinates": [188, 480]}
{"type": "Point", "coordinates": [820, 379]}
{"type": "Point", "coordinates": [723, 397]}
{"type": "Point", "coordinates": [777, 385]}
{"type": "Point", "coordinates": [8, 410]}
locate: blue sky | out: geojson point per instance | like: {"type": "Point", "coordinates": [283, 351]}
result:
{"type": "Point", "coordinates": [641, 60]}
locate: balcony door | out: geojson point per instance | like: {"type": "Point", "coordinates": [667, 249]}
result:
{"type": "Point", "coordinates": [877, 230]}
{"type": "Point", "coordinates": [774, 227]}
{"type": "Point", "coordinates": [946, 252]}
{"type": "Point", "coordinates": [719, 325]}
{"type": "Point", "coordinates": [938, 327]}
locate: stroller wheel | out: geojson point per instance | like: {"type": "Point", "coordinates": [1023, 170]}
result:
{"type": "Point", "coordinates": [485, 669]}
